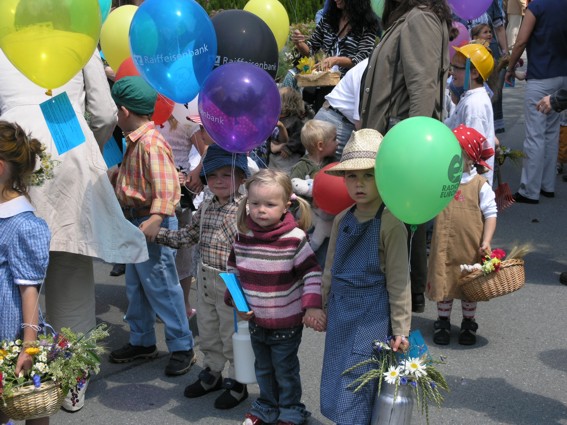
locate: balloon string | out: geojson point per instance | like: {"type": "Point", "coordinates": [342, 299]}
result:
{"type": "Point", "coordinates": [413, 228]}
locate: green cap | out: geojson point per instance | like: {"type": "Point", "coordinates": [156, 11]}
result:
{"type": "Point", "coordinates": [135, 95]}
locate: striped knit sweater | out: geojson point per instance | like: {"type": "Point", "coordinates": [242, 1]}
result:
{"type": "Point", "coordinates": [278, 272]}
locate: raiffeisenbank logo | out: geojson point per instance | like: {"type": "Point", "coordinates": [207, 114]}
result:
{"type": "Point", "coordinates": [222, 60]}
{"type": "Point", "coordinates": [160, 58]}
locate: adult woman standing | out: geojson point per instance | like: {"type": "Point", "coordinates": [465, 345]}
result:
{"type": "Point", "coordinates": [544, 34]}
{"type": "Point", "coordinates": [78, 204]}
{"type": "Point", "coordinates": [406, 77]}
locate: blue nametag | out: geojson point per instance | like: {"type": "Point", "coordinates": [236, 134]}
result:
{"type": "Point", "coordinates": [418, 347]}
{"type": "Point", "coordinates": [233, 286]}
{"type": "Point", "coordinates": [62, 123]}
{"type": "Point", "coordinates": [111, 153]}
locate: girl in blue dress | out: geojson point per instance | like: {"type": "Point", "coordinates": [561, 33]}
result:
{"type": "Point", "coordinates": [24, 244]}
{"type": "Point", "coordinates": [365, 284]}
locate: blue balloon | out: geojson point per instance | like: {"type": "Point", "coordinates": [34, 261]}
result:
{"type": "Point", "coordinates": [104, 8]}
{"type": "Point", "coordinates": [174, 46]}
{"type": "Point", "coordinates": [239, 106]}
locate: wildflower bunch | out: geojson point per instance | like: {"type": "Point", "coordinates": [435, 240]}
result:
{"type": "Point", "coordinates": [44, 171]}
{"type": "Point", "coordinates": [503, 152]}
{"type": "Point", "coordinates": [401, 369]}
{"type": "Point", "coordinates": [65, 358]}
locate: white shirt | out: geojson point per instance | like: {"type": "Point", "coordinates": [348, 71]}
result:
{"type": "Point", "coordinates": [475, 110]}
{"type": "Point", "coordinates": [345, 97]}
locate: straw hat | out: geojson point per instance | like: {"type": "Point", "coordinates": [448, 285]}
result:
{"type": "Point", "coordinates": [359, 152]}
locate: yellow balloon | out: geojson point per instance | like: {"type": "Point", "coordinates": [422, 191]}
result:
{"type": "Point", "coordinates": [274, 15]}
{"type": "Point", "coordinates": [114, 37]}
{"type": "Point", "coordinates": [49, 41]}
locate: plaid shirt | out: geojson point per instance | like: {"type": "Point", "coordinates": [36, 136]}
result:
{"type": "Point", "coordinates": [147, 176]}
{"type": "Point", "coordinates": [218, 231]}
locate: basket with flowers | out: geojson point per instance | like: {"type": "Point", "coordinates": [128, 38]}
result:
{"type": "Point", "coordinates": [413, 373]}
{"type": "Point", "coordinates": [310, 76]}
{"type": "Point", "coordinates": [495, 275]}
{"type": "Point", "coordinates": [60, 363]}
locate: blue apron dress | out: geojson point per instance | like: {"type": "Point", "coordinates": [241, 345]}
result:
{"type": "Point", "coordinates": [358, 313]}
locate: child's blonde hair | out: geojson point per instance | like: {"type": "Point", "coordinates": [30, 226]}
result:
{"type": "Point", "coordinates": [292, 102]}
{"type": "Point", "coordinates": [21, 152]}
{"type": "Point", "coordinates": [268, 176]}
{"type": "Point", "coordinates": [314, 131]}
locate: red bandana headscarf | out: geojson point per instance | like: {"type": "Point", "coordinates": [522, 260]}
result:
{"type": "Point", "coordinates": [471, 141]}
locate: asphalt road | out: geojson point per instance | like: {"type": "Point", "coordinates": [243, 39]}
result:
{"type": "Point", "coordinates": [516, 374]}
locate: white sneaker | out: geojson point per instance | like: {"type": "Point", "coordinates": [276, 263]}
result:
{"type": "Point", "coordinates": [79, 399]}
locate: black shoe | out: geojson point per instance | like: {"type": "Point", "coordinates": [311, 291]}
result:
{"type": "Point", "coordinates": [234, 394]}
{"type": "Point", "coordinates": [467, 336]}
{"type": "Point", "coordinates": [523, 200]}
{"type": "Point", "coordinates": [417, 303]}
{"type": "Point", "coordinates": [563, 278]}
{"type": "Point", "coordinates": [180, 362]}
{"type": "Point", "coordinates": [118, 270]}
{"type": "Point", "coordinates": [207, 383]}
{"type": "Point", "coordinates": [130, 352]}
{"type": "Point", "coordinates": [547, 194]}
{"type": "Point", "coordinates": [564, 177]}
{"type": "Point", "coordinates": [442, 332]}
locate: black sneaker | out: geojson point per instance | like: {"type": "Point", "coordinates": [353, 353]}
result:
{"type": "Point", "coordinates": [518, 197]}
{"type": "Point", "coordinates": [417, 302]}
{"type": "Point", "coordinates": [467, 336]}
{"type": "Point", "coordinates": [118, 270]}
{"type": "Point", "coordinates": [234, 394]}
{"type": "Point", "coordinates": [547, 194]}
{"type": "Point", "coordinates": [563, 278]}
{"type": "Point", "coordinates": [131, 352]}
{"type": "Point", "coordinates": [180, 362]}
{"type": "Point", "coordinates": [442, 332]}
{"type": "Point", "coordinates": [207, 383]}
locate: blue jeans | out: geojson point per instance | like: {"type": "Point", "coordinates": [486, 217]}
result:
{"type": "Point", "coordinates": [153, 288]}
{"type": "Point", "coordinates": [277, 373]}
{"type": "Point", "coordinates": [343, 125]}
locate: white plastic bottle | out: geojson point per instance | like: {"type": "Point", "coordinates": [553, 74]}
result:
{"type": "Point", "coordinates": [243, 355]}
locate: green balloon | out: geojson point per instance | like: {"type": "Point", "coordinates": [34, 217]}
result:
{"type": "Point", "coordinates": [418, 169]}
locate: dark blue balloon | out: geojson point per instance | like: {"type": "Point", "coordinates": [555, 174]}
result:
{"type": "Point", "coordinates": [239, 106]}
{"type": "Point", "coordinates": [174, 46]}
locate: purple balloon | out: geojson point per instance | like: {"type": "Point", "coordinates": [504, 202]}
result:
{"type": "Point", "coordinates": [239, 106]}
{"type": "Point", "coordinates": [469, 9]}
{"type": "Point", "coordinates": [461, 39]}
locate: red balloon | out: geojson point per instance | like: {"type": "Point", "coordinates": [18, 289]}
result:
{"type": "Point", "coordinates": [163, 107]}
{"type": "Point", "coordinates": [330, 192]}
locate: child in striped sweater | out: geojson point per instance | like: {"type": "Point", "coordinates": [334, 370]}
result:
{"type": "Point", "coordinates": [281, 280]}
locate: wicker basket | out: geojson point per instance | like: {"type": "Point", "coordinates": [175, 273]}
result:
{"type": "Point", "coordinates": [29, 402]}
{"type": "Point", "coordinates": [478, 286]}
{"type": "Point", "coordinates": [327, 78]}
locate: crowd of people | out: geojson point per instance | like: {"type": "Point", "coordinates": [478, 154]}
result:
{"type": "Point", "coordinates": [180, 208]}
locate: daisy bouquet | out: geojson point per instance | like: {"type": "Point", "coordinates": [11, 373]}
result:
{"type": "Point", "coordinates": [416, 370]}
{"type": "Point", "coordinates": [63, 358]}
